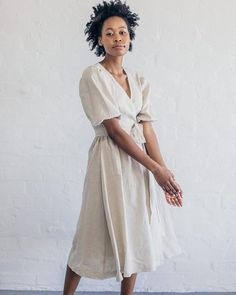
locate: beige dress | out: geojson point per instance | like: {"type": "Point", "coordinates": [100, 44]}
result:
{"type": "Point", "coordinates": [124, 224]}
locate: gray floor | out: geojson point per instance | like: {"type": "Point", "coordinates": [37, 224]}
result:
{"type": "Point", "coordinates": [6, 292]}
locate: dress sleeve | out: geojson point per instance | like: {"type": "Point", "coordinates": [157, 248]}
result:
{"type": "Point", "coordinates": [97, 97]}
{"type": "Point", "coordinates": [145, 113]}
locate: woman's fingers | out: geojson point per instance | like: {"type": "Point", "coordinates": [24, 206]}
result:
{"type": "Point", "coordinates": [172, 187]}
{"type": "Point", "coordinates": [167, 189]}
{"type": "Point", "coordinates": [174, 200]}
{"type": "Point", "coordinates": [175, 185]}
{"type": "Point", "coordinates": [178, 201]}
{"type": "Point", "coordinates": [168, 199]}
{"type": "Point", "coordinates": [171, 201]}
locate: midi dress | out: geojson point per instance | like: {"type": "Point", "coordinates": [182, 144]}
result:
{"type": "Point", "coordinates": [124, 225]}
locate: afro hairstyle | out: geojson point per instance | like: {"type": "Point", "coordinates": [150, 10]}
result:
{"type": "Point", "coordinates": [101, 13]}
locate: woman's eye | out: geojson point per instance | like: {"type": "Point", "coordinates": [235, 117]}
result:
{"type": "Point", "coordinates": [122, 32]}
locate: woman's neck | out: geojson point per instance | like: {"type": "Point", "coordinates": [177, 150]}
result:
{"type": "Point", "coordinates": [113, 64]}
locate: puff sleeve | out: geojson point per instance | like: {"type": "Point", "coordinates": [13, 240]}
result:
{"type": "Point", "coordinates": [97, 97]}
{"type": "Point", "coordinates": [145, 113]}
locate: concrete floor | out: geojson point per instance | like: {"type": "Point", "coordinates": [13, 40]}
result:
{"type": "Point", "coordinates": [8, 292]}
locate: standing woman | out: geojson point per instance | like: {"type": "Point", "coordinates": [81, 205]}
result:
{"type": "Point", "coordinates": [124, 225]}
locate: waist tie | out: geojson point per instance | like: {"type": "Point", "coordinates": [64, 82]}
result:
{"type": "Point", "coordinates": [136, 133]}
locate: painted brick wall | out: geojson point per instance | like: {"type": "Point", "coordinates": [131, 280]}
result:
{"type": "Point", "coordinates": [186, 48]}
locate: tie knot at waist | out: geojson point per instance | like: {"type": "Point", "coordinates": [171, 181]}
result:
{"type": "Point", "coordinates": [136, 132]}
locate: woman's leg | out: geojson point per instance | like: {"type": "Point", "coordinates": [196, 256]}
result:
{"type": "Point", "coordinates": [127, 284]}
{"type": "Point", "coordinates": [71, 282]}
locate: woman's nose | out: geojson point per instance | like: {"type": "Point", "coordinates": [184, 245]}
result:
{"type": "Point", "coordinates": [117, 38]}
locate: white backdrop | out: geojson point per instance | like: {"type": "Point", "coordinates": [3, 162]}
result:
{"type": "Point", "coordinates": [186, 49]}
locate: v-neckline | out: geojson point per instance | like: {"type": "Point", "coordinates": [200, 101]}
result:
{"type": "Point", "coordinates": [128, 78]}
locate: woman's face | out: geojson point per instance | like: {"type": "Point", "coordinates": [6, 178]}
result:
{"type": "Point", "coordinates": [115, 36]}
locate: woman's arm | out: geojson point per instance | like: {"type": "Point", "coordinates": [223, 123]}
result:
{"type": "Point", "coordinates": [153, 150]}
{"type": "Point", "coordinates": [163, 176]}
{"type": "Point", "coordinates": [152, 146]}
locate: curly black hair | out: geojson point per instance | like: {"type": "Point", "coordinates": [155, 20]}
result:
{"type": "Point", "coordinates": [101, 13]}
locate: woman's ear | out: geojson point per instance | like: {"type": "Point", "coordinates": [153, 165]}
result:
{"type": "Point", "coordinates": [99, 41]}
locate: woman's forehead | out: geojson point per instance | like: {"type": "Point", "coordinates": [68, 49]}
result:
{"type": "Point", "coordinates": [114, 22]}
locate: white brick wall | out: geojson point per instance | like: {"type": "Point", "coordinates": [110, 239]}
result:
{"type": "Point", "coordinates": [186, 48]}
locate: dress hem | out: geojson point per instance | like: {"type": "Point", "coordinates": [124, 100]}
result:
{"type": "Point", "coordinates": [118, 275]}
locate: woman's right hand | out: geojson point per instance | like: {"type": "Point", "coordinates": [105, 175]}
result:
{"type": "Point", "coordinates": [165, 178]}
{"type": "Point", "coordinates": [174, 200]}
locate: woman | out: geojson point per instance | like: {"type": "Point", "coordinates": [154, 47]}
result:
{"type": "Point", "coordinates": [124, 227]}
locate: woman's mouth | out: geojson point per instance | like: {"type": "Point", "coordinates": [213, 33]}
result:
{"type": "Point", "coordinates": [119, 46]}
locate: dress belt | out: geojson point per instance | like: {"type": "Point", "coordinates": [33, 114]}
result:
{"type": "Point", "coordinates": [135, 131]}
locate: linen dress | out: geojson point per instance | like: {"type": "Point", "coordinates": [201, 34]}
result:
{"type": "Point", "coordinates": [124, 224]}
